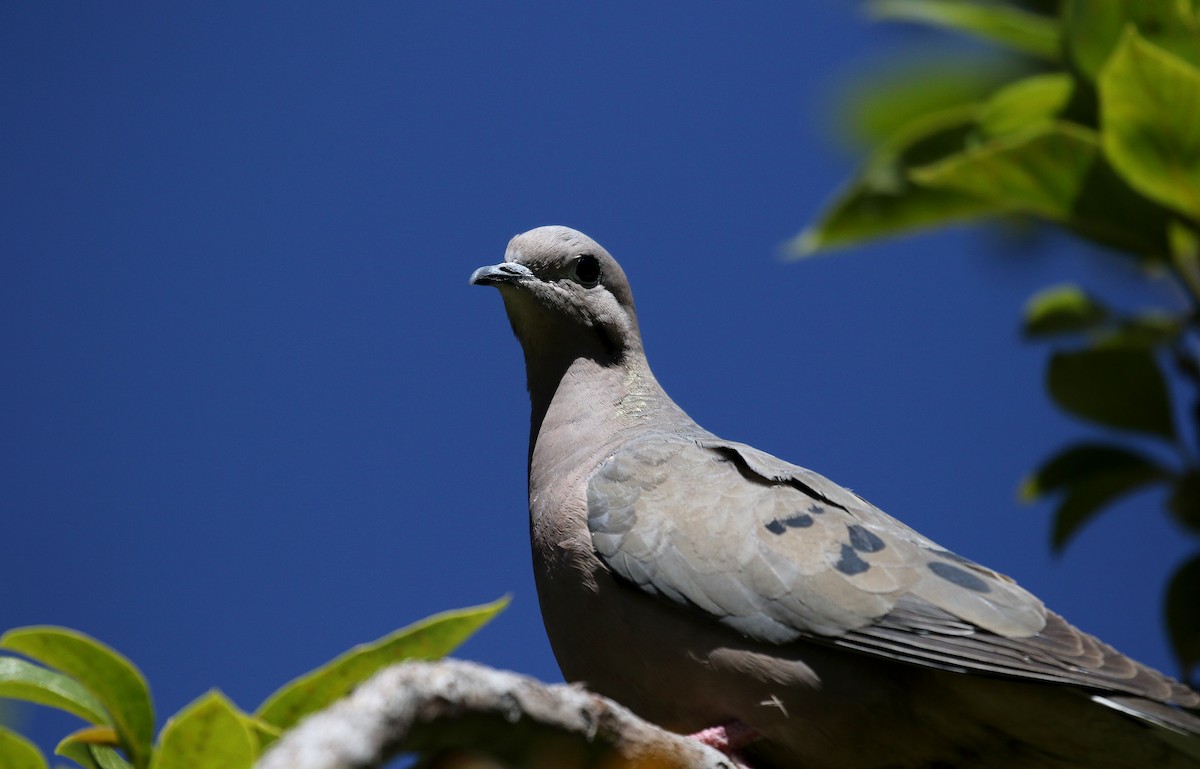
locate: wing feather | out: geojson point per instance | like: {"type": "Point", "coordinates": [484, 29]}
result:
{"type": "Point", "coordinates": [779, 553]}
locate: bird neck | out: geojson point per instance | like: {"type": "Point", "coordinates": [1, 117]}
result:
{"type": "Point", "coordinates": [583, 407]}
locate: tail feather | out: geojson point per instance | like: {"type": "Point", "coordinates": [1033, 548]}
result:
{"type": "Point", "coordinates": [1175, 726]}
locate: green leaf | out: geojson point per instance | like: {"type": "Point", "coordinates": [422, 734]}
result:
{"type": "Point", "coordinates": [78, 752]}
{"type": "Point", "coordinates": [430, 638]}
{"type": "Point", "coordinates": [93, 748]}
{"type": "Point", "coordinates": [1086, 499]}
{"type": "Point", "coordinates": [1150, 110]}
{"type": "Point", "coordinates": [881, 200]}
{"type": "Point", "coordinates": [1092, 476]}
{"type": "Point", "coordinates": [94, 756]}
{"type": "Point", "coordinates": [112, 679]}
{"type": "Point", "coordinates": [1057, 173]}
{"type": "Point", "coordinates": [264, 733]}
{"type": "Point", "coordinates": [109, 758]}
{"type": "Point", "coordinates": [16, 752]}
{"type": "Point", "coordinates": [1079, 462]}
{"type": "Point", "coordinates": [1035, 102]}
{"type": "Point", "coordinates": [1119, 387]}
{"type": "Point", "coordinates": [93, 735]}
{"type": "Point", "coordinates": [1184, 502]}
{"type": "Point", "coordinates": [210, 733]}
{"type": "Point", "coordinates": [21, 680]}
{"type": "Point", "coordinates": [1152, 329]}
{"type": "Point", "coordinates": [1027, 32]}
{"type": "Point", "coordinates": [1183, 614]}
{"type": "Point", "coordinates": [1063, 309]}
{"type": "Point", "coordinates": [1042, 172]}
{"type": "Point", "coordinates": [1185, 253]}
{"type": "Point", "coordinates": [1092, 29]}
{"type": "Point", "coordinates": [874, 108]}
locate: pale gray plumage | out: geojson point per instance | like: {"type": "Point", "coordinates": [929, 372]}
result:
{"type": "Point", "coordinates": [700, 581]}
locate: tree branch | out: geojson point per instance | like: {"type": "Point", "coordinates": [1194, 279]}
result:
{"type": "Point", "coordinates": [434, 707]}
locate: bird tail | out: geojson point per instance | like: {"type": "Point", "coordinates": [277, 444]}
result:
{"type": "Point", "coordinates": [1175, 726]}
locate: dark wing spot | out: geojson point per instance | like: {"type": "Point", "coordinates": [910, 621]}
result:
{"type": "Point", "coordinates": [949, 556]}
{"type": "Point", "coordinates": [864, 540]}
{"type": "Point", "coordinates": [793, 521]}
{"type": "Point", "coordinates": [960, 577]}
{"type": "Point", "coordinates": [850, 564]}
{"type": "Point", "coordinates": [815, 509]}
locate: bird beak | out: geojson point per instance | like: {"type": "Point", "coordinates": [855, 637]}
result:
{"type": "Point", "coordinates": [505, 273]}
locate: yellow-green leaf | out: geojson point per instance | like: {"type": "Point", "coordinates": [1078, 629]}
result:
{"type": "Point", "coordinates": [94, 756]}
{"type": "Point", "coordinates": [21, 680]}
{"type": "Point", "coordinates": [1057, 173]}
{"type": "Point", "coordinates": [873, 108]}
{"type": "Point", "coordinates": [109, 758]}
{"type": "Point", "coordinates": [16, 752]}
{"type": "Point", "coordinates": [112, 679]}
{"type": "Point", "coordinates": [210, 733]}
{"type": "Point", "coordinates": [80, 753]}
{"type": "Point", "coordinates": [1034, 102]}
{"type": "Point", "coordinates": [1042, 172]}
{"type": "Point", "coordinates": [882, 201]}
{"type": "Point", "coordinates": [1027, 32]}
{"type": "Point", "coordinates": [1062, 309]}
{"type": "Point", "coordinates": [1185, 253]}
{"type": "Point", "coordinates": [1092, 29]}
{"type": "Point", "coordinates": [94, 735]}
{"type": "Point", "coordinates": [1150, 112]}
{"type": "Point", "coordinates": [430, 638]}
{"type": "Point", "coordinates": [263, 732]}
{"type": "Point", "coordinates": [93, 747]}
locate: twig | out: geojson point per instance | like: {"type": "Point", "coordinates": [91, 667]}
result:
{"type": "Point", "coordinates": [433, 707]}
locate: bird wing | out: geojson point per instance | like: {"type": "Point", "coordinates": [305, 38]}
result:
{"type": "Point", "coordinates": [779, 553]}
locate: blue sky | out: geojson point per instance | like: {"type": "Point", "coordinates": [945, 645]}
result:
{"type": "Point", "coordinates": [254, 414]}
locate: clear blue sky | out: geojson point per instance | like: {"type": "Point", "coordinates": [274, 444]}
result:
{"type": "Point", "coordinates": [253, 414]}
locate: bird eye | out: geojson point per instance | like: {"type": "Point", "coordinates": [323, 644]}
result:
{"type": "Point", "coordinates": [587, 270]}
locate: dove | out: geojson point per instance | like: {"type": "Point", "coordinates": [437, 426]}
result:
{"type": "Point", "coordinates": [708, 585]}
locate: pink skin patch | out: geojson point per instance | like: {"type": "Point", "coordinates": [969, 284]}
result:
{"type": "Point", "coordinates": [728, 738]}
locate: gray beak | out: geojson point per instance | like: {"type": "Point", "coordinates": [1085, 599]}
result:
{"type": "Point", "coordinates": [505, 273]}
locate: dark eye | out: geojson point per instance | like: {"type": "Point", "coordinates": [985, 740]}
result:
{"type": "Point", "coordinates": [587, 270]}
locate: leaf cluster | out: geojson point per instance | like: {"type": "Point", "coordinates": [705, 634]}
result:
{"type": "Point", "coordinates": [1097, 131]}
{"type": "Point", "coordinates": [68, 670]}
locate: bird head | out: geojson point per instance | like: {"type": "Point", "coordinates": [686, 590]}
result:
{"type": "Point", "coordinates": [564, 294]}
